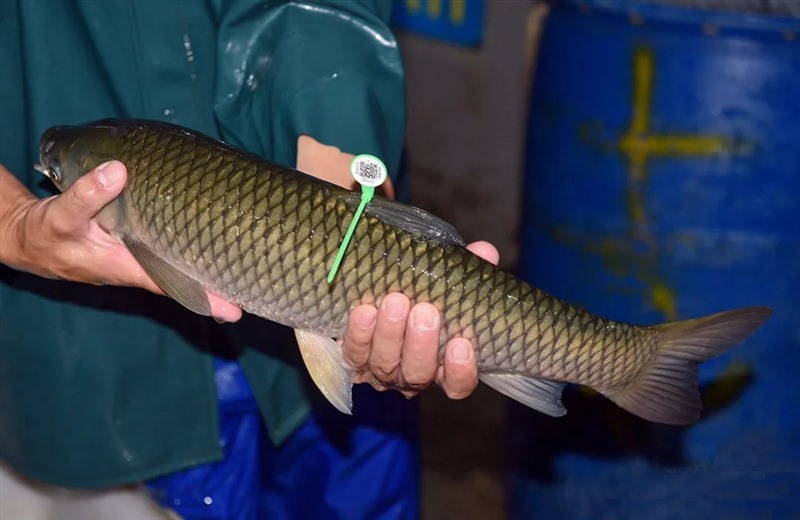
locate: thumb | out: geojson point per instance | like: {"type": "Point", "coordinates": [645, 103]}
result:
{"type": "Point", "coordinates": [91, 192]}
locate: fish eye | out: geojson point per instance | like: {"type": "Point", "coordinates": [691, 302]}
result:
{"type": "Point", "coordinates": [52, 172]}
{"type": "Point", "coordinates": [44, 170]}
{"type": "Point", "coordinates": [56, 174]}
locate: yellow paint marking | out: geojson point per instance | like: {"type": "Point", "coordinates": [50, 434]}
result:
{"type": "Point", "coordinates": [663, 299]}
{"type": "Point", "coordinates": [639, 145]}
{"type": "Point", "coordinates": [434, 9]}
{"type": "Point", "coordinates": [676, 145]}
{"type": "Point", "coordinates": [728, 385]}
{"type": "Point", "coordinates": [412, 5]}
{"type": "Point", "coordinates": [642, 92]}
{"type": "Point", "coordinates": [458, 10]}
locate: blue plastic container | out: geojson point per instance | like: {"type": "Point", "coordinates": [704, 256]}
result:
{"type": "Point", "coordinates": [663, 182]}
{"type": "Point", "coordinates": [454, 21]}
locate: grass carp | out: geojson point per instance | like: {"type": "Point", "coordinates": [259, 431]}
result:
{"type": "Point", "coordinates": [200, 215]}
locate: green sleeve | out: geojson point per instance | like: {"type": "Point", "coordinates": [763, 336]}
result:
{"type": "Point", "coordinates": [329, 69]}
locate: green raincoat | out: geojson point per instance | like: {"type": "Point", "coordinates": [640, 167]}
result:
{"type": "Point", "coordinates": [103, 385]}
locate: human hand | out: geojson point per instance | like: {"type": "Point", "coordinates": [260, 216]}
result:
{"type": "Point", "coordinates": [397, 346]}
{"type": "Point", "coordinates": [58, 237]}
{"type": "Point", "coordinates": [331, 164]}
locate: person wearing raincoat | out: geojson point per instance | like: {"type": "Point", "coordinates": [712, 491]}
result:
{"type": "Point", "coordinates": [106, 386]}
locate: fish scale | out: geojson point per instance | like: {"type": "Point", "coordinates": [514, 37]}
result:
{"type": "Point", "coordinates": [200, 215]}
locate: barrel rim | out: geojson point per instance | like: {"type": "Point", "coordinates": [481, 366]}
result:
{"type": "Point", "coordinates": [736, 22]}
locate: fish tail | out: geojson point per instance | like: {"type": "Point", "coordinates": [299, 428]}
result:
{"type": "Point", "coordinates": [667, 389]}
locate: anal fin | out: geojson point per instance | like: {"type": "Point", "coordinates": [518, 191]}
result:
{"type": "Point", "coordinates": [323, 358]}
{"type": "Point", "coordinates": [540, 394]}
{"type": "Point", "coordinates": [178, 286]}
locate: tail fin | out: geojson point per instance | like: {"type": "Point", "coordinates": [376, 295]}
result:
{"type": "Point", "coordinates": [667, 392]}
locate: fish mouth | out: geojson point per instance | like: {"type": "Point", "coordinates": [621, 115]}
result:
{"type": "Point", "coordinates": [48, 170]}
{"type": "Point", "coordinates": [41, 168]}
{"type": "Point", "coordinates": [48, 165]}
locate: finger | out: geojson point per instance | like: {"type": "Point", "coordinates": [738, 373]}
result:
{"type": "Point", "coordinates": [224, 310]}
{"type": "Point", "coordinates": [358, 336]}
{"type": "Point", "coordinates": [420, 355]}
{"type": "Point", "coordinates": [87, 196]}
{"type": "Point", "coordinates": [128, 272]}
{"type": "Point", "coordinates": [387, 342]}
{"type": "Point", "coordinates": [485, 250]}
{"type": "Point", "coordinates": [460, 372]}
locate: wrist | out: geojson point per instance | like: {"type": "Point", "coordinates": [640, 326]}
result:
{"type": "Point", "coordinates": [12, 236]}
{"type": "Point", "coordinates": [15, 203]}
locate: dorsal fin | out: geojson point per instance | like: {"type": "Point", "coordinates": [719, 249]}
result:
{"type": "Point", "coordinates": [408, 218]}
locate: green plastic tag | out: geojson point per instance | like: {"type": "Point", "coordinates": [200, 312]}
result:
{"type": "Point", "coordinates": [369, 172]}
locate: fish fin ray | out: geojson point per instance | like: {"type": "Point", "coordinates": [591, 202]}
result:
{"type": "Point", "coordinates": [178, 286]}
{"type": "Point", "coordinates": [408, 218]}
{"type": "Point", "coordinates": [663, 395]}
{"type": "Point", "coordinates": [540, 394]}
{"type": "Point", "coordinates": [667, 390]}
{"type": "Point", "coordinates": [323, 358]}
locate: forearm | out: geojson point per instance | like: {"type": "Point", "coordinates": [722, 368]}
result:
{"type": "Point", "coordinates": [15, 200]}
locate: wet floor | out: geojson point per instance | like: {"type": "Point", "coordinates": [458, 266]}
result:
{"type": "Point", "coordinates": [463, 454]}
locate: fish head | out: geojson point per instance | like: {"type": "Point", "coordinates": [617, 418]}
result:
{"type": "Point", "coordinates": [68, 152]}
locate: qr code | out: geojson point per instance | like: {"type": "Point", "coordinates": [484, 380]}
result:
{"type": "Point", "coordinates": [368, 170]}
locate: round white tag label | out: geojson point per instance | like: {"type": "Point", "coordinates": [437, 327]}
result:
{"type": "Point", "coordinates": [368, 170]}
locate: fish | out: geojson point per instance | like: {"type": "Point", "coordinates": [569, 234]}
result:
{"type": "Point", "coordinates": [201, 216]}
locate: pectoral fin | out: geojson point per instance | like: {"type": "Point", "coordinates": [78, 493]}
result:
{"type": "Point", "coordinates": [539, 394]}
{"type": "Point", "coordinates": [177, 285]}
{"type": "Point", "coordinates": [323, 358]}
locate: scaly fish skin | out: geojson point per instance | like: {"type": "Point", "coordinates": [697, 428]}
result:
{"type": "Point", "coordinates": [198, 213]}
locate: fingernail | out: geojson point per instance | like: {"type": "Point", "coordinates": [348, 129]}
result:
{"type": "Point", "coordinates": [365, 320]}
{"type": "Point", "coordinates": [395, 308]}
{"type": "Point", "coordinates": [106, 177]}
{"type": "Point", "coordinates": [460, 351]}
{"type": "Point", "coordinates": [424, 318]}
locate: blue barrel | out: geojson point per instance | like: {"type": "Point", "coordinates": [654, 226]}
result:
{"type": "Point", "coordinates": [663, 182]}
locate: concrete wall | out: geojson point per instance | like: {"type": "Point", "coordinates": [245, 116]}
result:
{"type": "Point", "coordinates": [467, 114]}
{"type": "Point", "coordinates": [467, 110]}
